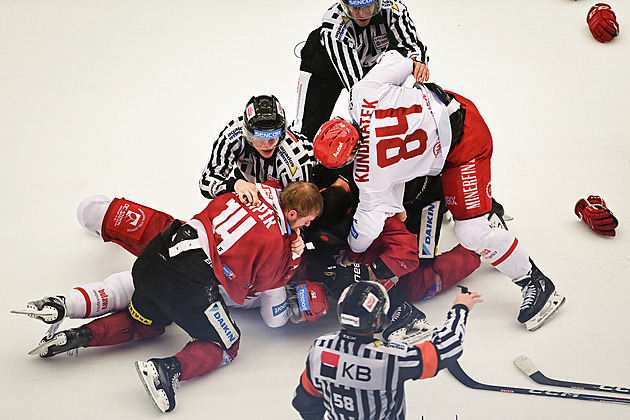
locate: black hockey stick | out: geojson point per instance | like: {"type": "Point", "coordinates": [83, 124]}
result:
{"type": "Point", "coordinates": [527, 366]}
{"type": "Point", "coordinates": [461, 376]}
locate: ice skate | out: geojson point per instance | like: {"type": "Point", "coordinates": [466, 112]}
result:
{"type": "Point", "coordinates": [497, 216]}
{"type": "Point", "coordinates": [409, 325]}
{"type": "Point", "coordinates": [160, 378]}
{"type": "Point", "coordinates": [50, 309]}
{"type": "Point", "coordinates": [540, 299]}
{"type": "Point", "coordinates": [62, 342]}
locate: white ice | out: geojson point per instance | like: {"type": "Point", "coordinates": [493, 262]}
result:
{"type": "Point", "coordinates": [123, 98]}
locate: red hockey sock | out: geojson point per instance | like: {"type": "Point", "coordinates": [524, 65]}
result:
{"type": "Point", "coordinates": [201, 357]}
{"type": "Point", "coordinates": [119, 328]}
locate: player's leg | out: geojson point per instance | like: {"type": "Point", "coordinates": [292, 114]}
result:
{"type": "Point", "coordinates": [467, 188]}
{"type": "Point", "coordinates": [129, 224]}
{"type": "Point", "coordinates": [318, 88]}
{"type": "Point", "coordinates": [86, 301]}
{"type": "Point", "coordinates": [185, 288]}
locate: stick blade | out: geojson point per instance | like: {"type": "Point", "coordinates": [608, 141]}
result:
{"type": "Point", "coordinates": [526, 365]}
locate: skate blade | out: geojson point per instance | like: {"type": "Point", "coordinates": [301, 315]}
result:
{"type": "Point", "coordinates": [34, 313]}
{"type": "Point", "coordinates": [147, 374]}
{"type": "Point", "coordinates": [551, 307]}
{"type": "Point", "coordinates": [43, 347]}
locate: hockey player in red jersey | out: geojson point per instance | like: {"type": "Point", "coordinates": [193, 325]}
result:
{"type": "Point", "coordinates": [401, 133]}
{"type": "Point", "coordinates": [177, 276]}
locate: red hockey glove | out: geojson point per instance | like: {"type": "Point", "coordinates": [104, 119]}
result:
{"type": "Point", "coordinates": [596, 215]}
{"type": "Point", "coordinates": [602, 22]}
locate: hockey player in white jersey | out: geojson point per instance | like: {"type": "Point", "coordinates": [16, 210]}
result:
{"type": "Point", "coordinates": [399, 133]}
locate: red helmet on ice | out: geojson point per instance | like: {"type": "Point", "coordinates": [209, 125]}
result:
{"type": "Point", "coordinates": [309, 303]}
{"type": "Point", "coordinates": [336, 143]}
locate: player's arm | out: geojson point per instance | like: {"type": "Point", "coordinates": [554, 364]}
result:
{"type": "Point", "coordinates": [307, 400]}
{"type": "Point", "coordinates": [392, 68]}
{"type": "Point", "coordinates": [366, 226]}
{"type": "Point", "coordinates": [407, 37]}
{"type": "Point", "coordinates": [344, 58]}
{"type": "Point", "coordinates": [218, 176]}
{"type": "Point", "coordinates": [449, 341]}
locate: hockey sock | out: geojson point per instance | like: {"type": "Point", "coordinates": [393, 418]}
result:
{"type": "Point", "coordinates": [202, 357]}
{"type": "Point", "coordinates": [119, 328]}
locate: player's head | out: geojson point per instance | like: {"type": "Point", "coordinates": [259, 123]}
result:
{"type": "Point", "coordinates": [332, 226]}
{"type": "Point", "coordinates": [336, 143]}
{"type": "Point", "coordinates": [309, 302]}
{"type": "Point", "coordinates": [264, 124]}
{"type": "Point", "coordinates": [363, 307]}
{"type": "Point", "coordinates": [361, 11]}
{"type": "Point", "coordinates": [301, 203]}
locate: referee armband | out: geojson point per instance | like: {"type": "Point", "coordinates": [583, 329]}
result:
{"type": "Point", "coordinates": [429, 359]}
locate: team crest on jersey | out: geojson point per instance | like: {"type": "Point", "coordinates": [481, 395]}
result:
{"type": "Point", "coordinates": [132, 219]}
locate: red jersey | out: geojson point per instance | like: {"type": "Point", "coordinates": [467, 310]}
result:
{"type": "Point", "coordinates": [250, 247]}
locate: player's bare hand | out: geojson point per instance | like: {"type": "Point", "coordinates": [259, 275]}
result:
{"type": "Point", "coordinates": [420, 72]}
{"type": "Point", "coordinates": [247, 192]}
{"type": "Point", "coordinates": [469, 299]}
{"type": "Point", "coordinates": [297, 245]}
{"type": "Point", "coordinates": [402, 215]}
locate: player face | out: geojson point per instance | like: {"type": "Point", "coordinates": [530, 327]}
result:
{"type": "Point", "coordinates": [298, 222]}
{"type": "Point", "coordinates": [265, 147]}
{"type": "Point", "coordinates": [362, 15]}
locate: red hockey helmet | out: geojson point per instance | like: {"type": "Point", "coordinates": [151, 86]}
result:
{"type": "Point", "coordinates": [311, 302]}
{"type": "Point", "coordinates": [336, 143]}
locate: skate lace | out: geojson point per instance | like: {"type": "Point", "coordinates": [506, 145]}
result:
{"type": "Point", "coordinates": [529, 295]}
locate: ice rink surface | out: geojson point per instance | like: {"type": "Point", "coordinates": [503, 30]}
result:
{"type": "Point", "coordinates": [124, 98]}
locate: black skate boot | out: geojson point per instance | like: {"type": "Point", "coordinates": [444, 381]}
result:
{"type": "Point", "coordinates": [540, 299]}
{"type": "Point", "coordinates": [50, 309]}
{"type": "Point", "coordinates": [62, 342]}
{"type": "Point", "coordinates": [408, 325]}
{"type": "Point", "coordinates": [160, 378]}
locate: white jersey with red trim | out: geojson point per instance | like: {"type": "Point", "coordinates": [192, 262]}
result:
{"type": "Point", "coordinates": [406, 134]}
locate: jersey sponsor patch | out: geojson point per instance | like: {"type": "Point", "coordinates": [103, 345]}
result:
{"type": "Point", "coordinates": [353, 371]}
{"type": "Point", "coordinates": [302, 297]}
{"type": "Point", "coordinates": [222, 324]}
{"type": "Point", "coordinates": [280, 308]}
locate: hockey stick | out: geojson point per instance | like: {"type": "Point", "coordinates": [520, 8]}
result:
{"type": "Point", "coordinates": [527, 366]}
{"type": "Point", "coordinates": [461, 376]}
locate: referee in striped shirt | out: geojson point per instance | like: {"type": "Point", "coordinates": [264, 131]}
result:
{"type": "Point", "coordinates": [351, 375]}
{"type": "Point", "coordinates": [345, 47]}
{"type": "Point", "coordinates": [256, 147]}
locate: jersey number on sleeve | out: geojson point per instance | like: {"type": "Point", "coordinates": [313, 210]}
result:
{"type": "Point", "coordinates": [390, 148]}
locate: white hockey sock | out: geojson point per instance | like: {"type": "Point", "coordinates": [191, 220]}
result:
{"type": "Point", "coordinates": [95, 299]}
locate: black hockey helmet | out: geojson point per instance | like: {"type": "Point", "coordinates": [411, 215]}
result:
{"type": "Point", "coordinates": [363, 307]}
{"type": "Point", "coordinates": [264, 122]}
{"type": "Point", "coordinates": [346, 5]}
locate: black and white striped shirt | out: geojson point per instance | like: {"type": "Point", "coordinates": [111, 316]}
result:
{"type": "Point", "coordinates": [232, 158]}
{"type": "Point", "coordinates": [353, 50]}
{"type": "Point", "coordinates": [356, 377]}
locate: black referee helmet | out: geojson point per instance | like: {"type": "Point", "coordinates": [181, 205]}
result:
{"type": "Point", "coordinates": [363, 307]}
